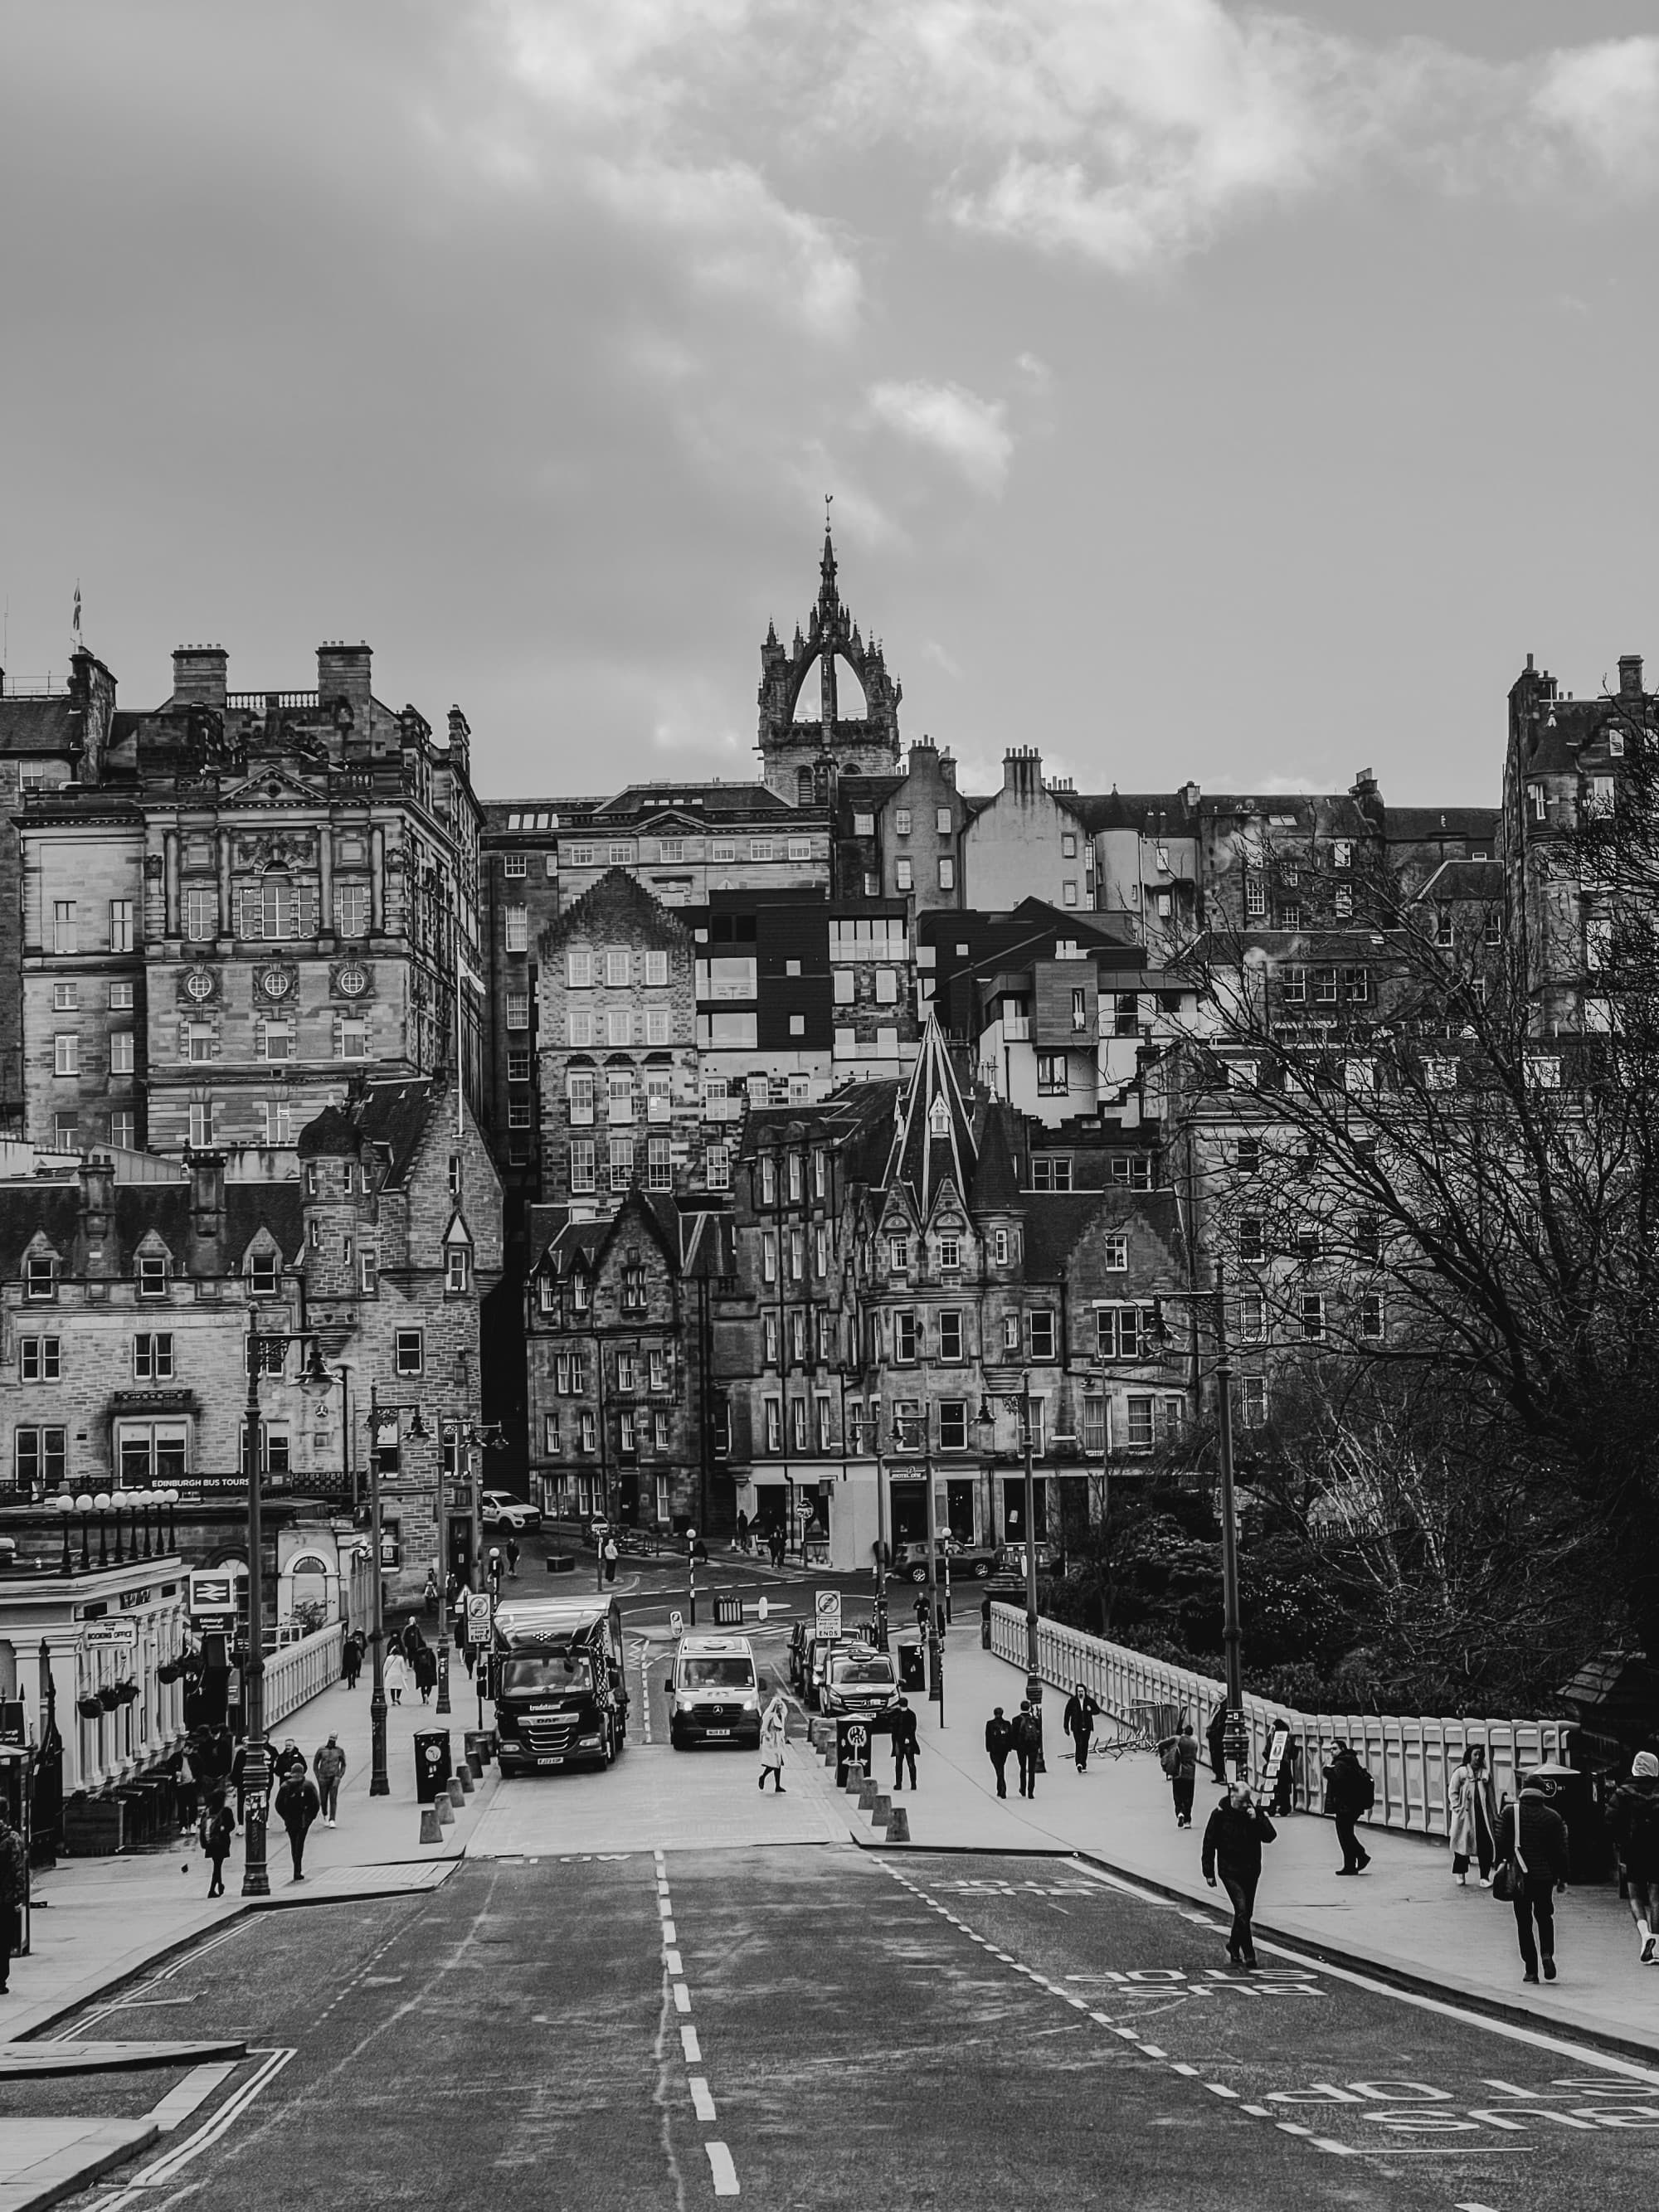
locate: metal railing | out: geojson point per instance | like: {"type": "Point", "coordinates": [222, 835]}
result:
{"type": "Point", "coordinates": [302, 1671]}
{"type": "Point", "coordinates": [1411, 1758]}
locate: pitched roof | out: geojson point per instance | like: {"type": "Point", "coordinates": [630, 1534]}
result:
{"type": "Point", "coordinates": [398, 1116]}
{"type": "Point", "coordinates": [1465, 879]}
{"type": "Point", "coordinates": [934, 1135]}
{"type": "Point", "coordinates": [1406, 825]}
{"type": "Point", "coordinates": [996, 1182]}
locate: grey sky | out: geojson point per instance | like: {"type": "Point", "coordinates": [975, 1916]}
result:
{"type": "Point", "coordinates": [1205, 390]}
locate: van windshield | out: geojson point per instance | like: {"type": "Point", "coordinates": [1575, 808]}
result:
{"type": "Point", "coordinates": [716, 1674]}
{"type": "Point", "coordinates": [862, 1670]}
{"type": "Point", "coordinates": [566, 1671]}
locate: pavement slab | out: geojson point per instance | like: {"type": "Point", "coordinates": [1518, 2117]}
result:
{"type": "Point", "coordinates": [43, 2161]}
{"type": "Point", "coordinates": [30, 2061]}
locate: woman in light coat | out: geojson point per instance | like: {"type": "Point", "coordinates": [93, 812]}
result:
{"type": "Point", "coordinates": [774, 1734]}
{"type": "Point", "coordinates": [1473, 1816]}
{"type": "Point", "coordinates": [396, 1675]}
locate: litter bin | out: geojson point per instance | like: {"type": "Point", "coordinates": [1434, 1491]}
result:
{"type": "Point", "coordinates": [912, 1667]}
{"type": "Point", "coordinates": [432, 1768]}
{"type": "Point", "coordinates": [1589, 1847]}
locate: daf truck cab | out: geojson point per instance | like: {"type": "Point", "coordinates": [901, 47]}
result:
{"type": "Point", "coordinates": [556, 1675]}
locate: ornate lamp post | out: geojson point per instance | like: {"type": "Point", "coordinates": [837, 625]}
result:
{"type": "Point", "coordinates": [83, 1506]}
{"type": "Point", "coordinates": [381, 1415]}
{"type": "Point", "coordinates": [66, 1504]}
{"type": "Point", "coordinates": [1020, 1407]}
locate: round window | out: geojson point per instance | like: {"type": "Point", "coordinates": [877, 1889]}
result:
{"type": "Point", "coordinates": [275, 983]}
{"type": "Point", "coordinates": [354, 982]}
{"type": "Point", "coordinates": [199, 983]}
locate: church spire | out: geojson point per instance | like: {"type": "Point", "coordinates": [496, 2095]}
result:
{"type": "Point", "coordinates": [828, 597]}
{"type": "Point", "coordinates": [933, 1132]}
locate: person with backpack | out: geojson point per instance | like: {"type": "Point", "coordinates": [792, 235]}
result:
{"type": "Point", "coordinates": [1079, 1722]}
{"type": "Point", "coordinates": [214, 1831]}
{"type": "Point", "coordinates": [1532, 1855]}
{"type": "Point", "coordinates": [1635, 1824]}
{"type": "Point", "coordinates": [1233, 1838]}
{"type": "Point", "coordinates": [1178, 1756]}
{"type": "Point", "coordinates": [1350, 1793]}
{"type": "Point", "coordinates": [1028, 1747]}
{"type": "Point", "coordinates": [1473, 1821]}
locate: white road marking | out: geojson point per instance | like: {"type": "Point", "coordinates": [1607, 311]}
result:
{"type": "Point", "coordinates": [1220, 2089]}
{"type": "Point", "coordinates": [1180, 2067]}
{"type": "Point", "coordinates": [1469, 2205]}
{"type": "Point", "coordinates": [701, 2103]}
{"type": "Point", "coordinates": [165, 2169]}
{"type": "Point", "coordinates": [665, 1908]}
{"type": "Point", "coordinates": [1336, 2149]}
{"type": "Point", "coordinates": [720, 2166]}
{"type": "Point", "coordinates": [690, 2045]}
{"type": "Point", "coordinates": [1256, 2111]}
{"type": "Point", "coordinates": [1445, 2007]}
{"type": "Point", "coordinates": [671, 1961]}
{"type": "Point", "coordinates": [682, 1997]}
{"type": "Point", "coordinates": [669, 1936]}
{"type": "Point", "coordinates": [1152, 2051]}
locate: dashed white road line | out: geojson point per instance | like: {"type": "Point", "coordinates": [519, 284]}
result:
{"type": "Point", "coordinates": [690, 2047]}
{"type": "Point", "coordinates": [724, 2174]}
{"type": "Point", "coordinates": [701, 2103]}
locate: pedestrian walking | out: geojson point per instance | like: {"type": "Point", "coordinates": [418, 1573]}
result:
{"type": "Point", "coordinates": [396, 1676]}
{"type": "Point", "coordinates": [1178, 1756]}
{"type": "Point", "coordinates": [1284, 1780]}
{"type": "Point", "coordinates": [214, 1831]}
{"type": "Point", "coordinates": [1215, 1737]}
{"type": "Point", "coordinates": [1473, 1816]}
{"type": "Point", "coordinates": [13, 1889]}
{"type": "Point", "coordinates": [1028, 1747]}
{"type": "Point", "coordinates": [904, 1744]}
{"type": "Point", "coordinates": [297, 1804]}
{"type": "Point", "coordinates": [351, 1659]}
{"type": "Point", "coordinates": [743, 1530]}
{"type": "Point", "coordinates": [1635, 1821]}
{"type": "Point", "coordinates": [999, 1742]}
{"type": "Point", "coordinates": [239, 1781]}
{"type": "Point", "coordinates": [513, 1555]}
{"type": "Point", "coordinates": [426, 1671]}
{"type": "Point", "coordinates": [611, 1555]}
{"type": "Point", "coordinates": [1233, 1838]}
{"type": "Point", "coordinates": [1079, 1722]}
{"type": "Point", "coordinates": [289, 1759]}
{"type": "Point", "coordinates": [1349, 1794]}
{"type": "Point", "coordinates": [329, 1766]}
{"type": "Point", "coordinates": [429, 1595]}
{"type": "Point", "coordinates": [775, 1734]}
{"type": "Point", "coordinates": [985, 1622]}
{"type": "Point", "coordinates": [1532, 1854]}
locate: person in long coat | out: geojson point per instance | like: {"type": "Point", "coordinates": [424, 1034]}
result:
{"type": "Point", "coordinates": [774, 1734]}
{"type": "Point", "coordinates": [1473, 1816]}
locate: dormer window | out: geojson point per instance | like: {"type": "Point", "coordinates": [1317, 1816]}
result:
{"type": "Point", "coordinates": [548, 1295]}
{"type": "Point", "coordinates": [581, 1290]}
{"type": "Point", "coordinates": [458, 1269]}
{"type": "Point", "coordinates": [152, 1275]}
{"type": "Point", "coordinates": [42, 1276]}
{"type": "Point", "coordinates": [262, 1275]}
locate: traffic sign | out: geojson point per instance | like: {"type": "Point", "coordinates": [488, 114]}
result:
{"type": "Point", "coordinates": [479, 1608]}
{"type": "Point", "coordinates": [677, 1622]}
{"type": "Point", "coordinates": [828, 1606]}
{"type": "Point", "coordinates": [858, 1740]}
{"type": "Point", "coordinates": [728, 1611]}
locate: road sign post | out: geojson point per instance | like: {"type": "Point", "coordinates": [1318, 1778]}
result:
{"type": "Point", "coordinates": [826, 1605]}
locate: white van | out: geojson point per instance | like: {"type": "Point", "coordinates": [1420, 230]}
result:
{"type": "Point", "coordinates": [714, 1692]}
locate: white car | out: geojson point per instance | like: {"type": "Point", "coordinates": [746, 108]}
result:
{"type": "Point", "coordinates": [500, 1509]}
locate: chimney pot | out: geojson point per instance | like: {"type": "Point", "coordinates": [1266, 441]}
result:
{"type": "Point", "coordinates": [200, 675]}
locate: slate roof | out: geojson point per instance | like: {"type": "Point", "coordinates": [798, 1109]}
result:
{"type": "Point", "coordinates": [933, 1138]}
{"type": "Point", "coordinates": [53, 1207]}
{"type": "Point", "coordinates": [1405, 825]}
{"type": "Point", "coordinates": [398, 1116]}
{"type": "Point", "coordinates": [996, 1181]}
{"type": "Point", "coordinates": [49, 726]}
{"type": "Point", "coordinates": [1465, 879]}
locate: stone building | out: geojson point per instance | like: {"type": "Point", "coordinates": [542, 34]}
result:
{"type": "Point", "coordinates": [245, 899]}
{"type": "Point", "coordinates": [900, 836]}
{"type": "Point", "coordinates": [1028, 839]}
{"type": "Point", "coordinates": [625, 1422]}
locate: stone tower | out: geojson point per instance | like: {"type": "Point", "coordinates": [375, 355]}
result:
{"type": "Point", "coordinates": [801, 759]}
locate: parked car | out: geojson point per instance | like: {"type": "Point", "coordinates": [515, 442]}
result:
{"type": "Point", "coordinates": [859, 1680]}
{"type": "Point", "coordinates": [500, 1509]}
{"type": "Point", "coordinates": [1011, 1560]}
{"type": "Point", "coordinates": [818, 1649]}
{"type": "Point", "coordinates": [974, 1562]}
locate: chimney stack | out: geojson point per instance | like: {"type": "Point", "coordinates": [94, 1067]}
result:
{"type": "Point", "coordinates": [343, 672]}
{"type": "Point", "coordinates": [460, 744]}
{"type": "Point", "coordinates": [1022, 772]}
{"type": "Point", "coordinates": [98, 1210]}
{"type": "Point", "coordinates": [199, 674]}
{"type": "Point", "coordinates": [207, 1211]}
{"type": "Point", "coordinates": [1630, 675]}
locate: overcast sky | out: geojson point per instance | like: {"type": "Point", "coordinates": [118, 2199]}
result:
{"type": "Point", "coordinates": [1205, 391]}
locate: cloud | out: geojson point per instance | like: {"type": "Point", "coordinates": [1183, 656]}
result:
{"type": "Point", "coordinates": [949, 420]}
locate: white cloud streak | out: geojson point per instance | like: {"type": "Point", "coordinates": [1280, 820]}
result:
{"type": "Point", "coordinates": [955, 424]}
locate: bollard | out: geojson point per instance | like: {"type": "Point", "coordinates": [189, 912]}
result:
{"type": "Point", "coordinates": [475, 1765]}
{"type": "Point", "coordinates": [898, 1828]}
{"type": "Point", "coordinates": [432, 1828]}
{"type": "Point", "coordinates": [855, 1777]}
{"type": "Point", "coordinates": [465, 1777]}
{"type": "Point", "coordinates": [444, 1811]}
{"type": "Point", "coordinates": [867, 1796]}
{"type": "Point", "coordinates": [882, 1812]}
{"type": "Point", "coordinates": [457, 1795]}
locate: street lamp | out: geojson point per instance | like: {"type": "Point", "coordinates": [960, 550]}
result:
{"type": "Point", "coordinates": [1233, 1737]}
{"type": "Point", "coordinates": [66, 1504]}
{"type": "Point", "coordinates": [83, 1506]}
{"type": "Point", "coordinates": [935, 1663]}
{"type": "Point", "coordinates": [255, 1772]}
{"type": "Point", "coordinates": [881, 1527]}
{"type": "Point", "coordinates": [1020, 1407]}
{"type": "Point", "coordinates": [380, 1413]}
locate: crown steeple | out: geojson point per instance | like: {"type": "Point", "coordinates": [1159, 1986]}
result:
{"type": "Point", "coordinates": [801, 756]}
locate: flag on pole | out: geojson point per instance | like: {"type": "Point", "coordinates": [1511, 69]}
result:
{"type": "Point", "coordinates": [77, 611]}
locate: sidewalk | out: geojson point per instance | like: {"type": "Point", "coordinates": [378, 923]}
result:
{"type": "Point", "coordinates": [106, 1920]}
{"type": "Point", "coordinates": [1406, 1916]}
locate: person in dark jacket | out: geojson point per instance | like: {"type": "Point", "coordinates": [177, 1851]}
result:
{"type": "Point", "coordinates": [1214, 1738]}
{"type": "Point", "coordinates": [904, 1744]}
{"type": "Point", "coordinates": [297, 1806]}
{"type": "Point", "coordinates": [14, 1892]}
{"type": "Point", "coordinates": [1533, 1826]}
{"type": "Point", "coordinates": [288, 1760]}
{"type": "Point", "coordinates": [1350, 1794]}
{"type": "Point", "coordinates": [1028, 1747]}
{"type": "Point", "coordinates": [1178, 1756]}
{"type": "Point", "coordinates": [351, 1659]}
{"type": "Point", "coordinates": [999, 1742]}
{"type": "Point", "coordinates": [426, 1671]}
{"type": "Point", "coordinates": [214, 1832]}
{"type": "Point", "coordinates": [1079, 1722]}
{"type": "Point", "coordinates": [1635, 1823]}
{"type": "Point", "coordinates": [1236, 1830]}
